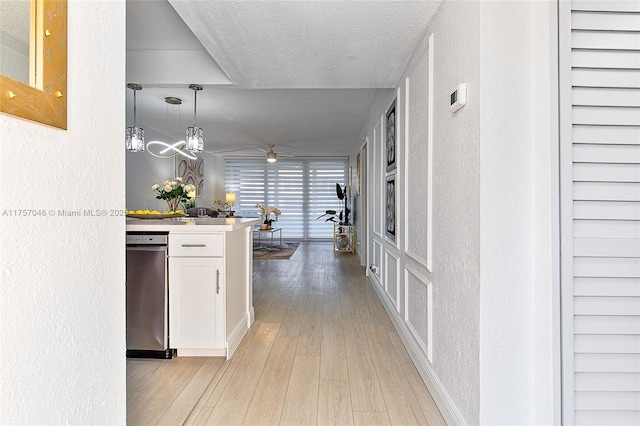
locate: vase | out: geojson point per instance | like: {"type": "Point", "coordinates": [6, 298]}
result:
{"type": "Point", "coordinates": [174, 203]}
{"type": "Point", "coordinates": [264, 226]}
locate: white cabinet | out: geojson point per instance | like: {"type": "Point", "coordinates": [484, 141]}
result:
{"type": "Point", "coordinates": [197, 294]}
{"type": "Point", "coordinates": [210, 282]}
{"type": "Point", "coordinates": [196, 303]}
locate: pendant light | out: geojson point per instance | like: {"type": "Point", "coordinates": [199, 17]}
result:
{"type": "Point", "coordinates": [195, 135]}
{"type": "Point", "coordinates": [161, 149]}
{"type": "Point", "coordinates": [134, 136]}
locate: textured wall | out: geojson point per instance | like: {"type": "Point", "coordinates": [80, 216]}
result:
{"type": "Point", "coordinates": [62, 293]}
{"type": "Point", "coordinates": [493, 171]}
{"type": "Point", "coordinates": [454, 281]}
{"type": "Point", "coordinates": [416, 94]}
{"type": "Point", "coordinates": [456, 206]}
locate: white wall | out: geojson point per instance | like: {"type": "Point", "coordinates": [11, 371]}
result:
{"type": "Point", "coordinates": [507, 238]}
{"type": "Point", "coordinates": [456, 215]}
{"type": "Point", "coordinates": [492, 273]}
{"type": "Point", "coordinates": [545, 210]}
{"type": "Point", "coordinates": [453, 374]}
{"type": "Point", "coordinates": [62, 294]}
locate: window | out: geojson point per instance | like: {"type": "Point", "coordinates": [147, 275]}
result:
{"type": "Point", "coordinates": [301, 189]}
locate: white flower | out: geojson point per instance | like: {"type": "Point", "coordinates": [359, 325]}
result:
{"type": "Point", "coordinates": [266, 211]}
{"type": "Point", "coordinates": [192, 195]}
{"type": "Point", "coordinates": [174, 183]}
{"type": "Point", "coordinates": [167, 188]}
{"type": "Point", "coordinates": [154, 187]}
{"type": "Point", "coordinates": [178, 179]}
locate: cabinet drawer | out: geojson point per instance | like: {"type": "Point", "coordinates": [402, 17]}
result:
{"type": "Point", "coordinates": [196, 245]}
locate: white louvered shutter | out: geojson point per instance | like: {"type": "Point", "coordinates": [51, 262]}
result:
{"type": "Point", "coordinates": [600, 156]}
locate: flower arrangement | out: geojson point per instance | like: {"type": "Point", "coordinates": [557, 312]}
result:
{"type": "Point", "coordinates": [226, 205]}
{"type": "Point", "coordinates": [265, 213]}
{"type": "Point", "coordinates": [175, 192]}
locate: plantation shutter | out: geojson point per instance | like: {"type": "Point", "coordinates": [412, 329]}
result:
{"type": "Point", "coordinates": [600, 156]}
{"type": "Point", "coordinates": [301, 189]}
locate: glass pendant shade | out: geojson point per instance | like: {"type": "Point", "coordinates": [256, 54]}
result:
{"type": "Point", "coordinates": [195, 139]}
{"type": "Point", "coordinates": [134, 141]}
{"type": "Point", "coordinates": [195, 135]}
{"type": "Point", "coordinates": [271, 157]}
{"type": "Point", "coordinates": [134, 137]}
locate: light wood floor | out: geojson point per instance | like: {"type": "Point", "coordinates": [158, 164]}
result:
{"type": "Point", "coordinates": [322, 351]}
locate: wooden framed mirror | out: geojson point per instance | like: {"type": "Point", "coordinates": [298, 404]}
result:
{"type": "Point", "coordinates": [44, 98]}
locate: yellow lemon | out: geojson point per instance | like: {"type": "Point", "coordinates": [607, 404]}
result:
{"type": "Point", "coordinates": [146, 211]}
{"type": "Point", "coordinates": [155, 212]}
{"type": "Point", "coordinates": [139, 211]}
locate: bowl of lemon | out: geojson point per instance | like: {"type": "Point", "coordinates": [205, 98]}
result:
{"type": "Point", "coordinates": [153, 214]}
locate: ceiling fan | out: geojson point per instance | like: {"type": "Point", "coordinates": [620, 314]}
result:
{"type": "Point", "coordinates": [271, 155]}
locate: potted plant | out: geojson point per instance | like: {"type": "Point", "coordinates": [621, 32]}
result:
{"type": "Point", "coordinates": [341, 218]}
{"type": "Point", "coordinates": [226, 206]}
{"type": "Point", "coordinates": [265, 214]}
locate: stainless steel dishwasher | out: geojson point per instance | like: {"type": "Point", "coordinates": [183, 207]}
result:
{"type": "Point", "coordinates": [147, 295]}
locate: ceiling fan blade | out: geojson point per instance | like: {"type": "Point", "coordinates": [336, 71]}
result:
{"type": "Point", "coordinates": [223, 151]}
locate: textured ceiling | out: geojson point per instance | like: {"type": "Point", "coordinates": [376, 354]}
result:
{"type": "Point", "coordinates": [309, 44]}
{"type": "Point", "coordinates": [298, 74]}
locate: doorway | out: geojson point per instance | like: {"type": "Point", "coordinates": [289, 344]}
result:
{"type": "Point", "coordinates": [362, 171]}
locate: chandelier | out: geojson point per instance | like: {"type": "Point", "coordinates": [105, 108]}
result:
{"type": "Point", "coordinates": [161, 149]}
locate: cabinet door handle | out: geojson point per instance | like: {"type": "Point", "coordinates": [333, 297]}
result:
{"type": "Point", "coordinates": [194, 245]}
{"type": "Point", "coordinates": [218, 281]}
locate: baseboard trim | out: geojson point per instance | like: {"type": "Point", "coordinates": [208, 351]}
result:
{"type": "Point", "coordinates": [237, 334]}
{"type": "Point", "coordinates": [200, 352]}
{"type": "Point", "coordinates": [440, 395]}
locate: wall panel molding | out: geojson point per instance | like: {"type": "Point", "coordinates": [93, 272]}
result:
{"type": "Point", "coordinates": [418, 293]}
{"type": "Point", "coordinates": [377, 176]}
{"type": "Point", "coordinates": [392, 278]}
{"type": "Point", "coordinates": [377, 261]}
{"type": "Point", "coordinates": [418, 179]}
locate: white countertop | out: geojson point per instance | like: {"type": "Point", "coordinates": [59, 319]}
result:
{"type": "Point", "coordinates": [190, 225]}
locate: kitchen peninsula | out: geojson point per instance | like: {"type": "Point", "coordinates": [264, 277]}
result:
{"type": "Point", "coordinates": [210, 281]}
